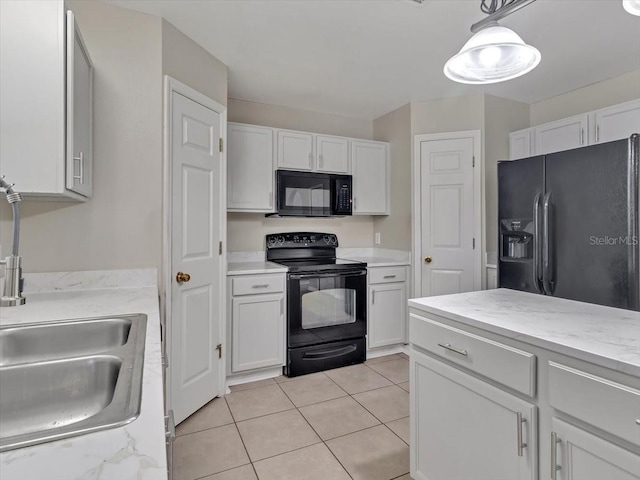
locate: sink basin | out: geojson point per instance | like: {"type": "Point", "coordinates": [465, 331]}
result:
{"type": "Point", "coordinates": [84, 375]}
{"type": "Point", "coordinates": [50, 341]}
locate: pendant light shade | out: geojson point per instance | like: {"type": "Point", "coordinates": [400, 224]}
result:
{"type": "Point", "coordinates": [492, 55]}
{"type": "Point", "coordinates": [632, 6]}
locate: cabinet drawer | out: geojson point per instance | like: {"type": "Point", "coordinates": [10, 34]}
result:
{"type": "Point", "coordinates": [507, 365]}
{"type": "Point", "coordinates": [387, 274]}
{"type": "Point", "coordinates": [252, 285]}
{"type": "Point", "coordinates": [610, 406]}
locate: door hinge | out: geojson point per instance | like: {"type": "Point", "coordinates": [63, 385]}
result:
{"type": "Point", "coordinates": [473, 161]}
{"type": "Point", "coordinates": [474, 243]}
{"type": "Point", "coordinates": [219, 349]}
{"type": "Point", "coordinates": [221, 144]}
{"type": "Point", "coordinates": [220, 248]}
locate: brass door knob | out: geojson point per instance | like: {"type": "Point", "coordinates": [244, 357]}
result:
{"type": "Point", "coordinates": [182, 278]}
{"type": "Point", "coordinates": [427, 259]}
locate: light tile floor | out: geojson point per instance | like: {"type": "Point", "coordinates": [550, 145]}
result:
{"type": "Point", "coordinates": [348, 423]}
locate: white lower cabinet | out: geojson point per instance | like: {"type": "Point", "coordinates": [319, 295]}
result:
{"type": "Point", "coordinates": [387, 311]}
{"type": "Point", "coordinates": [257, 322]}
{"type": "Point", "coordinates": [464, 428]}
{"type": "Point", "coordinates": [580, 455]}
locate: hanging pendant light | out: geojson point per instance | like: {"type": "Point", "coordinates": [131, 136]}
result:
{"type": "Point", "coordinates": [494, 54]}
{"type": "Point", "coordinates": [632, 6]}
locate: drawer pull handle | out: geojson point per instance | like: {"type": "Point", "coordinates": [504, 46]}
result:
{"type": "Point", "coordinates": [554, 456]}
{"type": "Point", "coordinates": [521, 444]}
{"type": "Point", "coordinates": [453, 349]}
{"type": "Point", "coordinates": [262, 285]}
{"type": "Point", "coordinates": [389, 276]}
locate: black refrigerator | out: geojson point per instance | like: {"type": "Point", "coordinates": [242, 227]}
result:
{"type": "Point", "coordinates": [568, 224]}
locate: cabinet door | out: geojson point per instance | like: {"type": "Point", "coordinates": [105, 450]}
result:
{"type": "Point", "coordinates": [464, 428]}
{"type": "Point", "coordinates": [332, 154]}
{"type": "Point", "coordinates": [387, 314]}
{"type": "Point", "coordinates": [583, 456]}
{"type": "Point", "coordinates": [370, 170]}
{"type": "Point", "coordinates": [249, 168]}
{"type": "Point", "coordinates": [258, 332]}
{"type": "Point", "coordinates": [79, 154]}
{"type": "Point", "coordinates": [520, 144]}
{"type": "Point", "coordinates": [295, 150]}
{"type": "Point", "coordinates": [617, 122]}
{"type": "Point", "coordinates": [562, 135]}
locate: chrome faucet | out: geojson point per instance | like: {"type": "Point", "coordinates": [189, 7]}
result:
{"type": "Point", "coordinates": [12, 294]}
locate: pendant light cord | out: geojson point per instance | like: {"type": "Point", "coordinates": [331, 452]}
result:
{"type": "Point", "coordinates": [491, 6]}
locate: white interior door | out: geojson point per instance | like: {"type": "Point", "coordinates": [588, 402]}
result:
{"type": "Point", "coordinates": [447, 216]}
{"type": "Point", "coordinates": [195, 233]}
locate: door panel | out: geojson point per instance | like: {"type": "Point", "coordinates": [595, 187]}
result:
{"type": "Point", "coordinates": [333, 154]}
{"type": "Point", "coordinates": [562, 135]}
{"type": "Point", "coordinates": [447, 223]}
{"type": "Point", "coordinates": [387, 314]}
{"type": "Point", "coordinates": [195, 203]}
{"type": "Point", "coordinates": [370, 170]}
{"type": "Point", "coordinates": [295, 150]}
{"type": "Point", "coordinates": [591, 217]}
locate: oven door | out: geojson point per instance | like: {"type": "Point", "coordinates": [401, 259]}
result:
{"type": "Point", "coordinates": [326, 307]}
{"type": "Point", "coordinates": [303, 194]}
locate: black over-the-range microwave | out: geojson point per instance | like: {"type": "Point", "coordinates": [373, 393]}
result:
{"type": "Point", "coordinates": [308, 194]}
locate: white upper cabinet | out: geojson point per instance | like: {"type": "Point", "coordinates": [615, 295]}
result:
{"type": "Point", "coordinates": [45, 101]}
{"type": "Point", "coordinates": [562, 135]}
{"type": "Point", "coordinates": [617, 122]}
{"type": "Point", "coordinates": [250, 168]}
{"type": "Point", "coordinates": [370, 170]}
{"type": "Point", "coordinates": [332, 154]}
{"type": "Point", "coordinates": [295, 150]}
{"type": "Point", "coordinates": [521, 143]}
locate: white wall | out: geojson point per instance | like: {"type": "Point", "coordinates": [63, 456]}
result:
{"type": "Point", "coordinates": [395, 229]}
{"type": "Point", "coordinates": [246, 231]}
{"type": "Point", "coordinates": [592, 97]}
{"type": "Point", "coordinates": [120, 226]}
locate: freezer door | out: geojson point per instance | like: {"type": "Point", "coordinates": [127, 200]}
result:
{"type": "Point", "coordinates": [590, 212]}
{"type": "Point", "coordinates": [520, 190]}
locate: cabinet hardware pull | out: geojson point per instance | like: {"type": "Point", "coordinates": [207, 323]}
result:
{"type": "Point", "coordinates": [354, 203]}
{"type": "Point", "coordinates": [310, 160]}
{"type": "Point", "coordinates": [262, 285]}
{"type": "Point", "coordinates": [281, 306]}
{"type": "Point", "coordinates": [321, 161]}
{"type": "Point", "coordinates": [80, 159]}
{"type": "Point", "coordinates": [597, 133]}
{"type": "Point", "coordinates": [521, 444]}
{"type": "Point", "coordinates": [554, 455]}
{"type": "Point", "coordinates": [389, 276]}
{"type": "Point", "coordinates": [453, 349]}
{"type": "Point", "coordinates": [373, 297]}
{"type": "Point", "coordinates": [582, 136]}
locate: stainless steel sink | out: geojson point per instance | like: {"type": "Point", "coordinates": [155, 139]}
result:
{"type": "Point", "coordinates": [49, 341]}
{"type": "Point", "coordinates": [69, 378]}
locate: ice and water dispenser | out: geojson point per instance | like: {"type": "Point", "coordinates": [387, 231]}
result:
{"type": "Point", "coordinates": [516, 239]}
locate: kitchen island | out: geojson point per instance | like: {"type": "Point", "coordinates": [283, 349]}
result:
{"type": "Point", "coordinates": [506, 384]}
{"type": "Point", "coordinates": [136, 450]}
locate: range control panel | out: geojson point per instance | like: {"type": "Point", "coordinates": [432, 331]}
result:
{"type": "Point", "coordinates": [301, 239]}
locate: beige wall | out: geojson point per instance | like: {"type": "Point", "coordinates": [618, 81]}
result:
{"type": "Point", "coordinates": [447, 115]}
{"type": "Point", "coordinates": [599, 95]}
{"type": "Point", "coordinates": [502, 116]}
{"type": "Point", "coordinates": [395, 229]}
{"type": "Point", "coordinates": [120, 226]}
{"type": "Point", "coordinates": [277, 116]}
{"type": "Point", "coordinates": [186, 61]}
{"type": "Point", "coordinates": [246, 231]}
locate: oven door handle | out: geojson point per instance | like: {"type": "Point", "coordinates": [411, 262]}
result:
{"type": "Point", "coordinates": [357, 273]}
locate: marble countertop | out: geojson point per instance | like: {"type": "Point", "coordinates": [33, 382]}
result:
{"type": "Point", "coordinates": [136, 450]}
{"type": "Point", "coordinates": [606, 336]}
{"type": "Point", "coordinates": [249, 268]}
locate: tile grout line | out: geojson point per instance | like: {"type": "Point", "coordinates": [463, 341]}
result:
{"type": "Point", "coordinates": [235, 424]}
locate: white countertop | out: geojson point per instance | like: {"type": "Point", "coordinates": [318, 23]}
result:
{"type": "Point", "coordinates": [606, 336]}
{"type": "Point", "coordinates": [374, 261]}
{"type": "Point", "coordinates": [249, 268]}
{"type": "Point", "coordinates": [136, 450]}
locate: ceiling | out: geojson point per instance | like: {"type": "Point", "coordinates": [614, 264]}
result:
{"type": "Point", "coordinates": [364, 58]}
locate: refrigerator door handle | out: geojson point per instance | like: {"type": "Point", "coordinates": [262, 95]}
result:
{"type": "Point", "coordinates": [537, 270]}
{"type": "Point", "coordinates": [547, 246]}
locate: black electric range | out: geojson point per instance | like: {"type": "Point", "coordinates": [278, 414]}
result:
{"type": "Point", "coordinates": [326, 300]}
